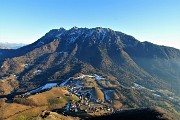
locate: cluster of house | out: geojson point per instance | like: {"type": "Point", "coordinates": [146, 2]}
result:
{"type": "Point", "coordinates": [85, 106]}
{"type": "Point", "coordinates": [87, 103]}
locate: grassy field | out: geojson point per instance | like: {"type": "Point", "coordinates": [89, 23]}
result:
{"type": "Point", "coordinates": [11, 109]}
{"type": "Point", "coordinates": [49, 100]}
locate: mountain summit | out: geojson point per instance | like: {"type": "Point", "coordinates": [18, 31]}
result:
{"type": "Point", "coordinates": [62, 53]}
{"type": "Point", "coordinates": [137, 74]}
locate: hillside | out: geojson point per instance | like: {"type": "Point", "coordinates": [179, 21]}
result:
{"type": "Point", "coordinates": [155, 113]}
{"type": "Point", "coordinates": [87, 96]}
{"type": "Point", "coordinates": [122, 71]}
{"type": "Point", "coordinates": [90, 51]}
{"type": "Point", "coordinates": [30, 107]}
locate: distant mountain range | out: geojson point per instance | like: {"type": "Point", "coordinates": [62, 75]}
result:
{"type": "Point", "coordinates": [6, 45]}
{"type": "Point", "coordinates": [2, 47]}
{"type": "Point", "coordinates": [142, 73]}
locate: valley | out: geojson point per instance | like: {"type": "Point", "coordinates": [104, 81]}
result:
{"type": "Point", "coordinates": [86, 96]}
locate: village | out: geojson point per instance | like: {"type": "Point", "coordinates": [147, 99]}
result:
{"type": "Point", "coordinates": [88, 103]}
{"type": "Point", "coordinates": [83, 86]}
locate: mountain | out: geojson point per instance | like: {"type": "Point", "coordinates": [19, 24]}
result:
{"type": "Point", "coordinates": [154, 113]}
{"type": "Point", "coordinates": [6, 49]}
{"type": "Point", "coordinates": [137, 73]}
{"type": "Point", "coordinates": [67, 52]}
{"type": "Point", "coordinates": [11, 45]}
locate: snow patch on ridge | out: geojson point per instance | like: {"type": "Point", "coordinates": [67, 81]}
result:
{"type": "Point", "coordinates": [45, 87]}
{"type": "Point", "coordinates": [139, 86]}
{"type": "Point", "coordinates": [66, 81]}
{"type": "Point", "coordinates": [74, 35]}
{"type": "Point", "coordinates": [99, 78]}
{"type": "Point", "coordinates": [49, 85]}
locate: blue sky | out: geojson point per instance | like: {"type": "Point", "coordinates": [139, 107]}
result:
{"type": "Point", "coordinates": [157, 21]}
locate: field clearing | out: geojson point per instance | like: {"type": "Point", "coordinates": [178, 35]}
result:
{"type": "Point", "coordinates": [11, 109]}
{"type": "Point", "coordinates": [55, 98]}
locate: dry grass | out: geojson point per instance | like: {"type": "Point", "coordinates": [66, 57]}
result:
{"type": "Point", "coordinates": [99, 94]}
{"type": "Point", "coordinates": [55, 116]}
{"type": "Point", "coordinates": [11, 109]}
{"type": "Point", "coordinates": [54, 96]}
{"type": "Point", "coordinates": [8, 85]}
{"type": "Point", "coordinates": [49, 100]}
{"type": "Point", "coordinates": [30, 114]}
{"type": "Point", "coordinates": [90, 82]}
{"type": "Point", "coordinates": [117, 104]}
